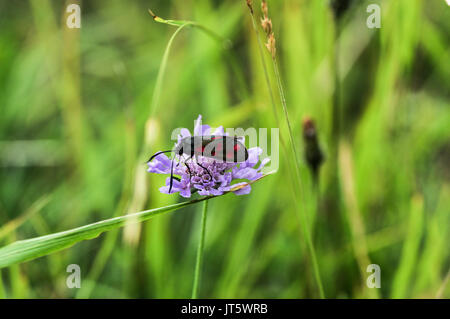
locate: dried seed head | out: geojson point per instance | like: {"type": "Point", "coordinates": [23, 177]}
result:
{"type": "Point", "coordinates": [250, 6]}
{"type": "Point", "coordinates": [270, 45]}
{"type": "Point", "coordinates": [264, 8]}
{"type": "Point", "coordinates": [266, 24]}
{"type": "Point", "coordinates": [313, 153]}
{"type": "Point", "coordinates": [339, 7]}
{"type": "Point", "coordinates": [309, 128]}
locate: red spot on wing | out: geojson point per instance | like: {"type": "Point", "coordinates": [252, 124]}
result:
{"type": "Point", "coordinates": [236, 147]}
{"type": "Point", "coordinates": [200, 149]}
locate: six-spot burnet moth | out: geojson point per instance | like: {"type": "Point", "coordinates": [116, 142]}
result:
{"type": "Point", "coordinates": [221, 148]}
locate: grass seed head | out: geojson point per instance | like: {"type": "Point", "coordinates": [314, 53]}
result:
{"type": "Point", "coordinates": [250, 6]}
{"type": "Point", "coordinates": [266, 24]}
{"type": "Point", "coordinates": [270, 45]}
{"type": "Point", "coordinates": [313, 154]}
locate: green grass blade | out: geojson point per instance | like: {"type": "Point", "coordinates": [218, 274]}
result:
{"type": "Point", "coordinates": [29, 249]}
{"type": "Point", "coordinates": [410, 251]}
{"type": "Point", "coordinates": [182, 23]}
{"type": "Point", "coordinates": [176, 23]}
{"type": "Point", "coordinates": [162, 71]}
{"type": "Point", "coordinates": [25, 250]}
{"type": "Point", "coordinates": [199, 259]}
{"type": "Point", "coordinates": [15, 223]}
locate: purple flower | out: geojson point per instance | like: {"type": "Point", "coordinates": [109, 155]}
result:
{"type": "Point", "coordinates": [218, 177]}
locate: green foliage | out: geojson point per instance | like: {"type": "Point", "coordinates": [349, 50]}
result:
{"type": "Point", "coordinates": [82, 110]}
{"type": "Point", "coordinates": [29, 249]}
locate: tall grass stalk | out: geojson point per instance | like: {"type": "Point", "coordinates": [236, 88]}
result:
{"type": "Point", "coordinates": [303, 216]}
{"type": "Point", "coordinates": [441, 290]}
{"type": "Point", "coordinates": [162, 71]}
{"type": "Point", "coordinates": [2, 289]}
{"type": "Point", "coordinates": [266, 73]}
{"type": "Point", "coordinates": [201, 244]}
{"type": "Point", "coordinates": [335, 129]}
{"type": "Point", "coordinates": [297, 180]}
{"type": "Point", "coordinates": [353, 215]}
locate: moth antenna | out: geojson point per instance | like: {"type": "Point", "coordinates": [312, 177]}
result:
{"type": "Point", "coordinates": [171, 176]}
{"type": "Point", "coordinates": [156, 154]}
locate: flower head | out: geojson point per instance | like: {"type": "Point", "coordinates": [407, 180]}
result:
{"type": "Point", "coordinates": [207, 176]}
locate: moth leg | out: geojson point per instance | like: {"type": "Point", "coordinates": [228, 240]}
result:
{"type": "Point", "coordinates": [209, 173]}
{"type": "Point", "coordinates": [187, 166]}
{"type": "Point", "coordinates": [171, 175]}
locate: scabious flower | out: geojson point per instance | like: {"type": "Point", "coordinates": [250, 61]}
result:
{"type": "Point", "coordinates": [220, 175]}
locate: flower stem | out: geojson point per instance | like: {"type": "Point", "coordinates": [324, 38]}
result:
{"type": "Point", "coordinates": [198, 263]}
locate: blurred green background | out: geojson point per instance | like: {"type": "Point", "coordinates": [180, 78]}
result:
{"type": "Point", "coordinates": [77, 124]}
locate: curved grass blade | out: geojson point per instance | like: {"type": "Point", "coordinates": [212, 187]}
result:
{"type": "Point", "coordinates": [33, 248]}
{"type": "Point", "coordinates": [29, 249]}
{"type": "Point", "coordinates": [162, 71]}
{"type": "Point", "coordinates": [179, 23]}
{"type": "Point", "coordinates": [15, 223]}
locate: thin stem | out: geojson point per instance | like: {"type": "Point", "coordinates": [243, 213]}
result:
{"type": "Point", "coordinates": [337, 94]}
{"type": "Point", "coordinates": [198, 263]}
{"type": "Point", "coordinates": [162, 71]}
{"type": "Point", "coordinates": [286, 115]}
{"type": "Point", "coordinates": [178, 23]}
{"type": "Point", "coordinates": [335, 112]}
{"type": "Point", "coordinates": [303, 216]}
{"type": "Point", "coordinates": [444, 284]}
{"type": "Point", "coordinates": [266, 73]}
{"type": "Point", "coordinates": [296, 180]}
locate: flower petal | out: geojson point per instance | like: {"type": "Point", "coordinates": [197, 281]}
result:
{"type": "Point", "coordinates": [263, 163]}
{"type": "Point", "coordinates": [242, 191]}
{"type": "Point", "coordinates": [160, 165]}
{"type": "Point", "coordinates": [185, 192]}
{"type": "Point", "coordinates": [215, 192]}
{"type": "Point", "coordinates": [245, 173]}
{"type": "Point", "coordinates": [199, 129]}
{"type": "Point", "coordinates": [219, 131]}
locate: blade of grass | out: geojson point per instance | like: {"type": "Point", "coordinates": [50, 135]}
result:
{"type": "Point", "coordinates": [410, 251]}
{"type": "Point", "coordinates": [29, 249]}
{"type": "Point", "coordinates": [266, 73]}
{"type": "Point", "coordinates": [25, 250]}
{"type": "Point", "coordinates": [17, 222]}
{"type": "Point", "coordinates": [303, 216]}
{"type": "Point", "coordinates": [201, 244]}
{"type": "Point", "coordinates": [180, 23]}
{"type": "Point", "coordinates": [2, 288]}
{"type": "Point", "coordinates": [297, 180]}
{"type": "Point", "coordinates": [110, 239]}
{"type": "Point", "coordinates": [353, 215]}
{"type": "Point", "coordinates": [162, 71]}
{"type": "Point", "coordinates": [441, 290]}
